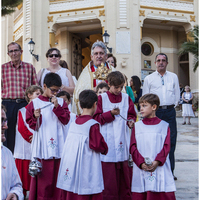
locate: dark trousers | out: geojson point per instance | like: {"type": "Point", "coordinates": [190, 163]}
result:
{"type": "Point", "coordinates": [169, 115]}
{"type": "Point", "coordinates": [12, 111]}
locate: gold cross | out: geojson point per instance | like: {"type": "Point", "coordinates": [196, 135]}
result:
{"type": "Point", "coordinates": [192, 18]}
{"type": "Point", "coordinates": [101, 13]}
{"type": "Point", "coordinates": [50, 19]}
{"type": "Point", "coordinates": [142, 13]}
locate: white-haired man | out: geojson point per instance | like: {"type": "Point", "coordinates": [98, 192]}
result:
{"type": "Point", "coordinates": [88, 78]}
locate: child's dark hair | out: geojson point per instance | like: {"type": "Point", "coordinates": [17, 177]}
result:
{"type": "Point", "coordinates": [153, 99]}
{"type": "Point", "coordinates": [102, 85]}
{"type": "Point", "coordinates": [52, 79]}
{"type": "Point", "coordinates": [87, 98]}
{"type": "Point", "coordinates": [115, 78]}
{"type": "Point", "coordinates": [64, 93]}
{"type": "Point", "coordinates": [31, 90]}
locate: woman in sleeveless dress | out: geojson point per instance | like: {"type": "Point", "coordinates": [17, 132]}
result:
{"type": "Point", "coordinates": [53, 56]}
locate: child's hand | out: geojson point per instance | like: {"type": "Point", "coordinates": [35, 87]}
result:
{"type": "Point", "coordinates": [31, 138]}
{"type": "Point", "coordinates": [115, 111]}
{"type": "Point", "coordinates": [54, 101]}
{"type": "Point", "coordinates": [37, 113]}
{"type": "Point", "coordinates": [131, 123]}
{"type": "Point", "coordinates": [144, 167]}
{"type": "Point", "coordinates": [154, 165]}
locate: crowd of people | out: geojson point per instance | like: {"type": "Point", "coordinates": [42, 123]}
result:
{"type": "Point", "coordinates": [85, 133]}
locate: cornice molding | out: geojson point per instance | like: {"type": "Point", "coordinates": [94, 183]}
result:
{"type": "Point", "coordinates": [78, 9]}
{"type": "Point", "coordinates": [166, 9]}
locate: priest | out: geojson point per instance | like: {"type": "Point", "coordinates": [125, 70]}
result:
{"type": "Point", "coordinates": [95, 72]}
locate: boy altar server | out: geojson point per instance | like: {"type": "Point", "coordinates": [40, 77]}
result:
{"type": "Point", "coordinates": [80, 173]}
{"type": "Point", "coordinates": [150, 147]}
{"type": "Point", "coordinates": [117, 181]}
{"type": "Point", "coordinates": [23, 138]}
{"type": "Point", "coordinates": [52, 114]}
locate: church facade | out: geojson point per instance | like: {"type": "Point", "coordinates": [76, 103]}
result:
{"type": "Point", "coordinates": [138, 29]}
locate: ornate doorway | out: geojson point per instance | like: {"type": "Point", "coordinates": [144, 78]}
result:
{"type": "Point", "coordinates": [76, 56]}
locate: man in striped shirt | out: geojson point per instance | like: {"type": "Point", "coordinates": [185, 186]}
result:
{"type": "Point", "coordinates": [16, 76]}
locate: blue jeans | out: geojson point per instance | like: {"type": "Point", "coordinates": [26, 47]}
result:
{"type": "Point", "coordinates": [169, 115]}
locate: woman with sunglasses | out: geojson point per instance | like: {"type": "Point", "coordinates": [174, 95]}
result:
{"type": "Point", "coordinates": [53, 56]}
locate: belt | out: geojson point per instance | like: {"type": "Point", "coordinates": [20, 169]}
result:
{"type": "Point", "coordinates": [166, 107]}
{"type": "Point", "coordinates": [15, 100]}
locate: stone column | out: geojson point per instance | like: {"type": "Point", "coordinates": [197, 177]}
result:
{"type": "Point", "coordinates": [36, 14]}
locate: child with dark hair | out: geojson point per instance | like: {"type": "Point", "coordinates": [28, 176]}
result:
{"type": "Point", "coordinates": [23, 138]}
{"type": "Point", "coordinates": [115, 130]}
{"type": "Point", "coordinates": [80, 173]}
{"type": "Point", "coordinates": [48, 114]}
{"type": "Point", "coordinates": [150, 147]}
{"type": "Point", "coordinates": [66, 96]}
{"type": "Point", "coordinates": [101, 88]}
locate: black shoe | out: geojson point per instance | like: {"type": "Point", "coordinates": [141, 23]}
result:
{"type": "Point", "coordinates": [175, 178]}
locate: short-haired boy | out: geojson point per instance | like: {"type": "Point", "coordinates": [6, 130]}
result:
{"type": "Point", "coordinates": [80, 173]}
{"type": "Point", "coordinates": [115, 130]}
{"type": "Point", "coordinates": [101, 88]}
{"type": "Point", "coordinates": [66, 96]}
{"type": "Point", "coordinates": [23, 138]}
{"type": "Point", "coordinates": [150, 147]}
{"type": "Point", "coordinates": [50, 114]}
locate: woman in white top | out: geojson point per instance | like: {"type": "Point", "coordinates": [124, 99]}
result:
{"type": "Point", "coordinates": [53, 56]}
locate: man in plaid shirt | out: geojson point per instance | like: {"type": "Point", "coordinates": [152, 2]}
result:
{"type": "Point", "coordinates": [16, 76]}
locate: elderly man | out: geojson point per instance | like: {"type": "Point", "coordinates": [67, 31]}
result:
{"type": "Point", "coordinates": [166, 85]}
{"type": "Point", "coordinates": [16, 76]}
{"type": "Point", "coordinates": [11, 186]}
{"type": "Point", "coordinates": [95, 72]}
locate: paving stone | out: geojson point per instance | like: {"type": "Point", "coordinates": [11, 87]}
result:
{"type": "Point", "coordinates": [187, 160]}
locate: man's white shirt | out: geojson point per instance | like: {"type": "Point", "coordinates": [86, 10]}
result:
{"type": "Point", "coordinates": [169, 93]}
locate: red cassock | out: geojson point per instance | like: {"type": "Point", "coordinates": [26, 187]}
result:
{"type": "Point", "coordinates": [97, 143]}
{"type": "Point", "coordinates": [117, 176]}
{"type": "Point", "coordinates": [139, 159]}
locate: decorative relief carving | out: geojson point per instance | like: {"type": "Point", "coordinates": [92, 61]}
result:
{"type": "Point", "coordinates": [175, 5]}
{"type": "Point", "coordinates": [74, 5]}
{"type": "Point", "coordinates": [101, 13]}
{"type": "Point", "coordinates": [49, 19]}
{"type": "Point", "coordinates": [142, 13]}
{"type": "Point", "coordinates": [18, 33]}
{"type": "Point", "coordinates": [123, 12]}
{"type": "Point", "coordinates": [192, 18]}
{"type": "Point", "coordinates": [28, 18]}
{"type": "Point", "coordinates": [18, 24]}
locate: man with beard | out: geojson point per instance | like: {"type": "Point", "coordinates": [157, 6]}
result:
{"type": "Point", "coordinates": [165, 84]}
{"type": "Point", "coordinates": [95, 72]}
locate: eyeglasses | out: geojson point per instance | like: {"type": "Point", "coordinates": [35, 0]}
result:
{"type": "Point", "coordinates": [52, 55]}
{"type": "Point", "coordinates": [161, 60]}
{"type": "Point", "coordinates": [3, 122]}
{"type": "Point", "coordinates": [53, 91]}
{"type": "Point", "coordinates": [15, 50]}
